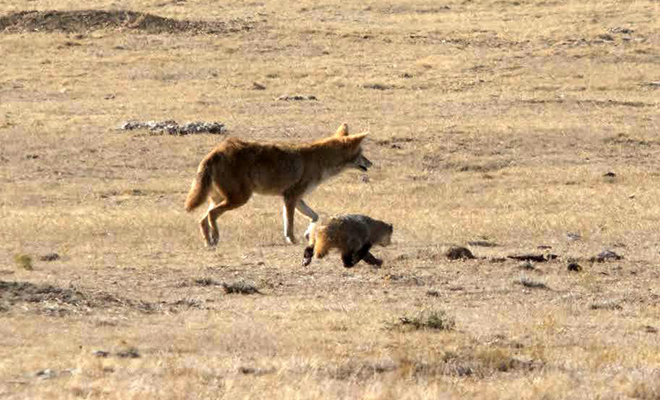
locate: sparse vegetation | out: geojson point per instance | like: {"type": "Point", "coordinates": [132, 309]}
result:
{"type": "Point", "coordinates": [531, 283]}
{"type": "Point", "coordinates": [606, 305]}
{"type": "Point", "coordinates": [514, 128]}
{"type": "Point", "coordinates": [23, 261]}
{"type": "Point", "coordinates": [427, 319]}
{"type": "Point", "coordinates": [240, 287]}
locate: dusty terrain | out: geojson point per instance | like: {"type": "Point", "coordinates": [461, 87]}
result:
{"type": "Point", "coordinates": [509, 127]}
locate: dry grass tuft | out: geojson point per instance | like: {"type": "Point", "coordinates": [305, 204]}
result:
{"type": "Point", "coordinates": [427, 319]}
{"type": "Point", "coordinates": [240, 287]}
{"type": "Point", "coordinates": [528, 126]}
{"type": "Point", "coordinates": [23, 261]}
{"type": "Point", "coordinates": [531, 283]}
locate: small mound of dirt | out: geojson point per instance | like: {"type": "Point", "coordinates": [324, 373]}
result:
{"type": "Point", "coordinates": [55, 300]}
{"type": "Point", "coordinates": [89, 20]}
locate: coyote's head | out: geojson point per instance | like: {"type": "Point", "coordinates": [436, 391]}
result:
{"type": "Point", "coordinates": [353, 142]}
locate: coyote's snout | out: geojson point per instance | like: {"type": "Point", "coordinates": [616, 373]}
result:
{"type": "Point", "coordinates": [235, 169]}
{"type": "Point", "coordinates": [362, 163]}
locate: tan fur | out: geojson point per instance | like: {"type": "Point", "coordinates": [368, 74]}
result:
{"type": "Point", "coordinates": [236, 169]}
{"type": "Point", "coordinates": [349, 234]}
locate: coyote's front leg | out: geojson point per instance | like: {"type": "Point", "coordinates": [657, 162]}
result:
{"type": "Point", "coordinates": [288, 212]}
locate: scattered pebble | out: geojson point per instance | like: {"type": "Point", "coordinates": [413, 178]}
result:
{"type": "Point", "coordinates": [128, 353]}
{"type": "Point", "coordinates": [574, 237]}
{"type": "Point", "coordinates": [296, 97]}
{"type": "Point", "coordinates": [625, 31]}
{"type": "Point", "coordinates": [173, 128]}
{"type": "Point", "coordinates": [101, 353]}
{"type": "Point", "coordinates": [533, 257]}
{"type": "Point", "coordinates": [574, 267]}
{"type": "Point", "coordinates": [606, 255]}
{"type": "Point", "coordinates": [50, 257]}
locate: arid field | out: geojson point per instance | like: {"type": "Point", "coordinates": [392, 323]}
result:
{"type": "Point", "coordinates": [526, 131]}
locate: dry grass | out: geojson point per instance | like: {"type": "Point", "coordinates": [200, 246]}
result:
{"type": "Point", "coordinates": [490, 121]}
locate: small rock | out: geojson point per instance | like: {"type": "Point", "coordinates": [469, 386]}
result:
{"type": "Point", "coordinates": [296, 97]}
{"type": "Point", "coordinates": [258, 86]}
{"type": "Point", "coordinates": [533, 257]}
{"type": "Point", "coordinates": [574, 237]}
{"type": "Point", "coordinates": [625, 31]}
{"type": "Point", "coordinates": [433, 293]}
{"type": "Point", "coordinates": [46, 374]}
{"type": "Point", "coordinates": [543, 247]}
{"type": "Point", "coordinates": [606, 305]}
{"type": "Point", "coordinates": [376, 86]}
{"type": "Point", "coordinates": [458, 252]}
{"type": "Point", "coordinates": [650, 329]}
{"type": "Point", "coordinates": [50, 257]}
{"type": "Point", "coordinates": [101, 353]}
{"type": "Point", "coordinates": [609, 174]}
{"type": "Point", "coordinates": [128, 353]}
{"type": "Point", "coordinates": [173, 128]}
{"type": "Point", "coordinates": [606, 255]}
{"type": "Point", "coordinates": [254, 371]}
{"type": "Point", "coordinates": [574, 267]}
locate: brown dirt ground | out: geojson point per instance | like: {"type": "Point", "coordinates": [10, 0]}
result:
{"type": "Point", "coordinates": [519, 130]}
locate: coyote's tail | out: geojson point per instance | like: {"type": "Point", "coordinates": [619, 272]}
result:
{"type": "Point", "coordinates": [199, 189]}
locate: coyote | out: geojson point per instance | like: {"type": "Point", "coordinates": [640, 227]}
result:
{"type": "Point", "coordinates": [235, 169]}
{"type": "Point", "coordinates": [353, 235]}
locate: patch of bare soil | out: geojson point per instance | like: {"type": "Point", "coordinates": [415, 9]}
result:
{"type": "Point", "coordinates": [53, 300]}
{"type": "Point", "coordinates": [81, 21]}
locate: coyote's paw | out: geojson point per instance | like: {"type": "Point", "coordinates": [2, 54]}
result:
{"type": "Point", "coordinates": [291, 240]}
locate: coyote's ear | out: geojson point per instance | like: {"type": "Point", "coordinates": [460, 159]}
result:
{"type": "Point", "coordinates": [356, 140]}
{"type": "Point", "coordinates": [342, 130]}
